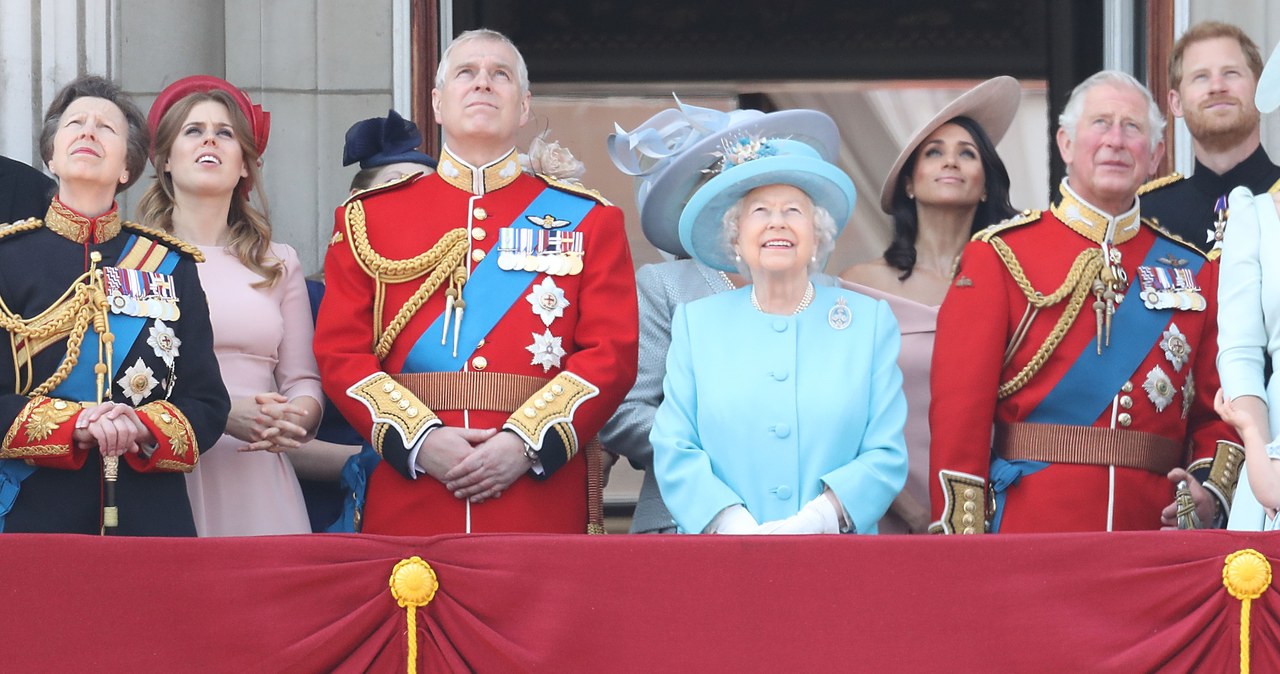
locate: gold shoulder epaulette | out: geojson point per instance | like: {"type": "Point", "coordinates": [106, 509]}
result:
{"type": "Point", "coordinates": [1157, 183]}
{"type": "Point", "coordinates": [384, 187]}
{"type": "Point", "coordinates": [1174, 237]}
{"type": "Point", "coordinates": [169, 239]}
{"type": "Point", "coordinates": [575, 188]}
{"type": "Point", "coordinates": [1027, 216]}
{"type": "Point", "coordinates": [9, 228]}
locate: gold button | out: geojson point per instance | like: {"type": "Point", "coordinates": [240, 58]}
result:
{"type": "Point", "coordinates": [970, 493]}
{"type": "Point", "coordinates": [528, 412]}
{"type": "Point", "coordinates": [395, 396]}
{"type": "Point", "coordinates": [388, 387]}
{"type": "Point", "coordinates": [477, 234]}
{"type": "Point", "coordinates": [967, 520]}
{"type": "Point", "coordinates": [480, 344]}
{"type": "Point", "coordinates": [479, 363]}
{"type": "Point", "coordinates": [477, 255]}
{"type": "Point", "coordinates": [539, 404]}
{"type": "Point", "coordinates": [164, 416]}
{"type": "Point", "coordinates": [404, 404]}
{"type": "Point", "coordinates": [1126, 402]}
{"type": "Point", "coordinates": [1124, 419]}
{"type": "Point", "coordinates": [412, 412]}
{"type": "Point", "coordinates": [59, 405]}
{"type": "Point", "coordinates": [548, 396]}
{"type": "Point", "coordinates": [557, 389]}
{"type": "Point", "coordinates": [969, 530]}
{"type": "Point", "coordinates": [970, 506]}
{"type": "Point", "coordinates": [1127, 388]}
{"type": "Point", "coordinates": [479, 213]}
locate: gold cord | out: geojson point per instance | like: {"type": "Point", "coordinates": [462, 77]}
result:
{"type": "Point", "coordinates": [1086, 267]}
{"type": "Point", "coordinates": [443, 260]}
{"type": "Point", "coordinates": [83, 304]}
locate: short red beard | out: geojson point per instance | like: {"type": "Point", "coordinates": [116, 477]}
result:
{"type": "Point", "coordinates": [1222, 135]}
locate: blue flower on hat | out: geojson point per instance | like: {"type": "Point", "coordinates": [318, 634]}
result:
{"type": "Point", "coordinates": [379, 141]}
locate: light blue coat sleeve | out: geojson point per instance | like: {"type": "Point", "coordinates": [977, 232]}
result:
{"type": "Point", "coordinates": [868, 484]}
{"type": "Point", "coordinates": [1242, 335]}
{"type": "Point", "coordinates": [689, 486]}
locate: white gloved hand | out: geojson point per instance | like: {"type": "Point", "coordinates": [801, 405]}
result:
{"type": "Point", "coordinates": [816, 517]}
{"type": "Point", "coordinates": [733, 520]}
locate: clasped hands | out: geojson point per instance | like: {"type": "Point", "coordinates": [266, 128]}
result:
{"type": "Point", "coordinates": [113, 428]}
{"type": "Point", "coordinates": [473, 463]}
{"type": "Point", "coordinates": [269, 422]}
{"type": "Point", "coordinates": [819, 516]}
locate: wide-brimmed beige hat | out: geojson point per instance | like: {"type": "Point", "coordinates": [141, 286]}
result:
{"type": "Point", "coordinates": [991, 104]}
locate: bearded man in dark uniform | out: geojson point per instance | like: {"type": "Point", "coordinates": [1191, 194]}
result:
{"type": "Point", "coordinates": [1213, 71]}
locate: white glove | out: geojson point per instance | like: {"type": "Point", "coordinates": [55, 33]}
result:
{"type": "Point", "coordinates": [733, 520]}
{"type": "Point", "coordinates": [816, 517]}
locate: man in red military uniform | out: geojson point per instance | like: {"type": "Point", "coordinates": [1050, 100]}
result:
{"type": "Point", "coordinates": [480, 323]}
{"type": "Point", "coordinates": [1093, 358]}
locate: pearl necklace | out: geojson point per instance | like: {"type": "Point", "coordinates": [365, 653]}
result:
{"type": "Point", "coordinates": [725, 277]}
{"type": "Point", "coordinates": [804, 301]}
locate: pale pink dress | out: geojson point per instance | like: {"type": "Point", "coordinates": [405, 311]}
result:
{"type": "Point", "coordinates": [262, 338]}
{"type": "Point", "coordinates": [917, 323]}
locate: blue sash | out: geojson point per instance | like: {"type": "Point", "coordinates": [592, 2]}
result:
{"type": "Point", "coordinates": [81, 383]}
{"type": "Point", "coordinates": [1089, 385]}
{"type": "Point", "coordinates": [490, 292]}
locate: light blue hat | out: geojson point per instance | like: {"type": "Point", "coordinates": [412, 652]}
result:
{"type": "Point", "coordinates": [670, 153]}
{"type": "Point", "coordinates": [749, 163]}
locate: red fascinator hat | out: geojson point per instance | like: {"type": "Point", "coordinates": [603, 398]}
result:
{"type": "Point", "coordinates": [259, 119]}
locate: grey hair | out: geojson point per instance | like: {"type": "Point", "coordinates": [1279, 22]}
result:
{"type": "Point", "coordinates": [522, 70]}
{"type": "Point", "coordinates": [824, 234]}
{"type": "Point", "coordinates": [1075, 105]}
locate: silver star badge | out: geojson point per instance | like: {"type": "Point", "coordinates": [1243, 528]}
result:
{"type": "Point", "coordinates": [547, 300]}
{"type": "Point", "coordinates": [1159, 388]}
{"type": "Point", "coordinates": [546, 349]}
{"type": "Point", "coordinates": [164, 343]}
{"type": "Point", "coordinates": [1176, 348]}
{"type": "Point", "coordinates": [138, 382]}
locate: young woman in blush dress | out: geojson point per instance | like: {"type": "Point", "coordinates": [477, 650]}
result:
{"type": "Point", "coordinates": [208, 138]}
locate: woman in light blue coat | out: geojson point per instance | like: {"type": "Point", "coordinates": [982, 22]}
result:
{"type": "Point", "coordinates": [1249, 335]}
{"type": "Point", "coordinates": [782, 407]}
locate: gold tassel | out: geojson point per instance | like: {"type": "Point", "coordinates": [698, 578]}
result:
{"type": "Point", "coordinates": [413, 584]}
{"type": "Point", "coordinates": [1246, 575]}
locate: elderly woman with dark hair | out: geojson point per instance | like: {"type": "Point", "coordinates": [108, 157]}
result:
{"type": "Point", "coordinates": [782, 408]}
{"type": "Point", "coordinates": [946, 184]}
{"type": "Point", "coordinates": [103, 316]}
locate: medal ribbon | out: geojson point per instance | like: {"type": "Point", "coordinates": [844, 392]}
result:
{"type": "Point", "coordinates": [1086, 389]}
{"type": "Point", "coordinates": [490, 292]}
{"type": "Point", "coordinates": [1089, 385]}
{"type": "Point", "coordinates": [81, 383]}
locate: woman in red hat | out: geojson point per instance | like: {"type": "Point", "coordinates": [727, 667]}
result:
{"type": "Point", "coordinates": [208, 140]}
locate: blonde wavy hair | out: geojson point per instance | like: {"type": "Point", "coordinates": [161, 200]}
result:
{"type": "Point", "coordinates": [250, 227]}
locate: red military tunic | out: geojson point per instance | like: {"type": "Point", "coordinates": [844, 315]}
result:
{"type": "Point", "coordinates": [1163, 389]}
{"type": "Point", "coordinates": [572, 364]}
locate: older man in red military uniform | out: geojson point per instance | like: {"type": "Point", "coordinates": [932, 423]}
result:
{"type": "Point", "coordinates": [480, 323]}
{"type": "Point", "coordinates": [1093, 361]}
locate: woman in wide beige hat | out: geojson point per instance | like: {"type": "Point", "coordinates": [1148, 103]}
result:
{"type": "Point", "coordinates": [947, 183]}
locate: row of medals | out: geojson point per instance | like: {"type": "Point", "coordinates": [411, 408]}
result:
{"type": "Point", "coordinates": [555, 263]}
